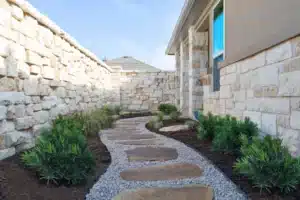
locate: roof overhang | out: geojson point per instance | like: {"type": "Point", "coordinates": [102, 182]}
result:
{"type": "Point", "coordinates": [191, 14]}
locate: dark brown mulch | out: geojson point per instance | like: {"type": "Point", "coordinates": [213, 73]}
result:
{"type": "Point", "coordinates": [224, 162]}
{"type": "Point", "coordinates": [135, 114]}
{"type": "Point", "coordinates": [19, 183]}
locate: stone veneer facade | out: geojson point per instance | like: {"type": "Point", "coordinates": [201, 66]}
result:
{"type": "Point", "coordinates": [44, 73]}
{"type": "Point", "coordinates": [264, 87]}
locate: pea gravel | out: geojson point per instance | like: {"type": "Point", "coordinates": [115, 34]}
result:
{"type": "Point", "coordinates": [110, 184]}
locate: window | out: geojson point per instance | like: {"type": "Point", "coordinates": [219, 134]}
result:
{"type": "Point", "coordinates": [217, 42]}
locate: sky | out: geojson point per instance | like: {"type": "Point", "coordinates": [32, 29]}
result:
{"type": "Point", "coordinates": [115, 28]}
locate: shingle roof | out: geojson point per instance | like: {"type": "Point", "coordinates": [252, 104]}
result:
{"type": "Point", "coordinates": [129, 63]}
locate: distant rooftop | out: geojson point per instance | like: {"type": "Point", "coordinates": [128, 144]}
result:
{"type": "Point", "coordinates": [128, 63]}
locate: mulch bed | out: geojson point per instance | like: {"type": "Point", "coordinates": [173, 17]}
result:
{"type": "Point", "coordinates": [19, 183]}
{"type": "Point", "coordinates": [224, 162]}
{"type": "Point", "coordinates": [135, 114]}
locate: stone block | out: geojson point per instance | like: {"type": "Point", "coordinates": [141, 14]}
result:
{"type": "Point", "coordinates": [59, 92]}
{"type": "Point", "coordinates": [48, 73]}
{"type": "Point", "coordinates": [37, 129]}
{"type": "Point", "coordinates": [4, 47]}
{"type": "Point", "coordinates": [3, 111]}
{"type": "Point", "coordinates": [268, 124]}
{"type": "Point", "coordinates": [279, 53]}
{"type": "Point", "coordinates": [11, 67]}
{"type": "Point", "coordinates": [278, 105]}
{"type": "Point", "coordinates": [7, 84]}
{"type": "Point", "coordinates": [31, 86]}
{"type": "Point", "coordinates": [265, 91]}
{"type": "Point", "coordinates": [290, 65]}
{"type": "Point", "coordinates": [228, 79]}
{"type": "Point", "coordinates": [295, 103]}
{"type": "Point", "coordinates": [34, 69]}
{"type": "Point", "coordinates": [19, 111]}
{"type": "Point", "coordinates": [37, 107]}
{"type": "Point", "coordinates": [264, 76]}
{"type": "Point", "coordinates": [295, 119]}
{"type": "Point", "coordinates": [253, 62]}
{"type": "Point", "coordinates": [33, 58]}
{"type": "Point", "coordinates": [24, 123]}
{"type": "Point", "coordinates": [17, 12]}
{"type": "Point", "coordinates": [283, 121]}
{"type": "Point", "coordinates": [254, 116]}
{"type": "Point", "coordinates": [5, 153]}
{"type": "Point", "coordinates": [3, 71]}
{"type": "Point", "coordinates": [29, 110]}
{"type": "Point", "coordinates": [240, 96]}
{"type": "Point", "coordinates": [290, 139]}
{"type": "Point", "coordinates": [16, 138]}
{"type": "Point", "coordinates": [8, 98]}
{"type": "Point", "coordinates": [225, 92]}
{"type": "Point", "coordinates": [6, 126]}
{"type": "Point", "coordinates": [289, 84]}
{"type": "Point", "coordinates": [41, 117]}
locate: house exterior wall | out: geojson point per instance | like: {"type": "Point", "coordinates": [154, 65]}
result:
{"type": "Point", "coordinates": [266, 88]}
{"type": "Point", "coordinates": [252, 26]}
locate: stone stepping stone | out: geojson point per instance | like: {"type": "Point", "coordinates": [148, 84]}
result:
{"type": "Point", "coordinates": [130, 136]}
{"type": "Point", "coordinates": [193, 192]}
{"type": "Point", "coordinates": [140, 142]}
{"type": "Point", "coordinates": [164, 172]}
{"type": "Point", "coordinates": [151, 154]}
{"type": "Point", "coordinates": [174, 128]}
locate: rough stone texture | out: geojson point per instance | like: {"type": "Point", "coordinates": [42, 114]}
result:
{"type": "Point", "coordinates": [264, 87]}
{"type": "Point", "coordinates": [174, 128]}
{"type": "Point", "coordinates": [164, 172]}
{"type": "Point", "coordinates": [140, 142]}
{"type": "Point", "coordinates": [190, 193]}
{"type": "Point", "coordinates": [151, 154]}
{"type": "Point", "coordinates": [131, 136]}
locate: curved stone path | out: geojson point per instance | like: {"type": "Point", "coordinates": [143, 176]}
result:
{"type": "Point", "coordinates": [148, 166]}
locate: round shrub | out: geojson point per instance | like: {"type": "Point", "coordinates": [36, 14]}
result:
{"type": "Point", "coordinates": [61, 155]}
{"type": "Point", "coordinates": [268, 164]}
{"type": "Point", "coordinates": [167, 109]}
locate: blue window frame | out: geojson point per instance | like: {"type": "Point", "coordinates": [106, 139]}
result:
{"type": "Point", "coordinates": [218, 43]}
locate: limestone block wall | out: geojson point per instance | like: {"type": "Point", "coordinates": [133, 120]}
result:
{"type": "Point", "coordinates": [146, 90]}
{"type": "Point", "coordinates": [43, 73]}
{"type": "Point", "coordinates": [266, 88]}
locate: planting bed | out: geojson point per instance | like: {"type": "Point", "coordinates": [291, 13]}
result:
{"type": "Point", "coordinates": [223, 161]}
{"type": "Point", "coordinates": [18, 183]}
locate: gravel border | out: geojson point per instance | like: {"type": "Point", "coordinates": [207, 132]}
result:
{"type": "Point", "coordinates": [110, 184]}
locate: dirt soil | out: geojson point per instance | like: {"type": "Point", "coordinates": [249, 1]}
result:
{"type": "Point", "coordinates": [224, 162]}
{"type": "Point", "coordinates": [19, 183]}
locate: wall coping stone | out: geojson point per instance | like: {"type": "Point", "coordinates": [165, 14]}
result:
{"type": "Point", "coordinates": [44, 20]}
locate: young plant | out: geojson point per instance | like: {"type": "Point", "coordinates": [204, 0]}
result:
{"type": "Point", "coordinates": [206, 127]}
{"type": "Point", "coordinates": [268, 164]}
{"type": "Point", "coordinates": [167, 109]}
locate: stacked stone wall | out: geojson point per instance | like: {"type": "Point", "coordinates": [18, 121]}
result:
{"type": "Point", "coordinates": [266, 88]}
{"type": "Point", "coordinates": [43, 73]}
{"type": "Point", "coordinates": [146, 90]}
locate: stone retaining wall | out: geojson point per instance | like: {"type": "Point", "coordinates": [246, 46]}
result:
{"type": "Point", "coordinates": [43, 73]}
{"type": "Point", "coordinates": [266, 88]}
{"type": "Point", "coordinates": [145, 91]}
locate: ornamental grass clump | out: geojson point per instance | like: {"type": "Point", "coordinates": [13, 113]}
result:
{"type": "Point", "coordinates": [61, 155]}
{"type": "Point", "coordinates": [268, 164]}
{"type": "Point", "coordinates": [207, 125]}
{"type": "Point", "coordinates": [167, 109]}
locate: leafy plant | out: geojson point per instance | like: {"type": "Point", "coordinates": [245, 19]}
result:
{"type": "Point", "coordinates": [155, 123]}
{"type": "Point", "coordinates": [207, 125]}
{"type": "Point", "coordinates": [61, 155]}
{"type": "Point", "coordinates": [167, 109]}
{"type": "Point", "coordinates": [175, 115]}
{"type": "Point", "coordinates": [268, 164]}
{"type": "Point", "coordinates": [228, 131]}
{"type": "Point", "coordinates": [160, 116]}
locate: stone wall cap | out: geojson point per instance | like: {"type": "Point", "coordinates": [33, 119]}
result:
{"type": "Point", "coordinates": [42, 19]}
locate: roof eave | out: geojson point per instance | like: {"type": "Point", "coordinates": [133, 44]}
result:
{"type": "Point", "coordinates": [182, 18]}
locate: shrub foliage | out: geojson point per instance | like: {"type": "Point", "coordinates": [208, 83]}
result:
{"type": "Point", "coordinates": [268, 164]}
{"type": "Point", "coordinates": [167, 109]}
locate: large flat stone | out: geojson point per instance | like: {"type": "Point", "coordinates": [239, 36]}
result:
{"type": "Point", "coordinates": [130, 136]}
{"type": "Point", "coordinates": [195, 192]}
{"type": "Point", "coordinates": [174, 128]}
{"type": "Point", "coordinates": [164, 172]}
{"type": "Point", "coordinates": [140, 142]}
{"type": "Point", "coordinates": [152, 154]}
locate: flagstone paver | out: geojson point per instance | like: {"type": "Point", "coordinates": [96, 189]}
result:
{"type": "Point", "coordinates": [174, 128]}
{"type": "Point", "coordinates": [185, 193]}
{"type": "Point", "coordinates": [163, 172]}
{"type": "Point", "coordinates": [166, 170]}
{"type": "Point", "coordinates": [151, 154]}
{"type": "Point", "coordinates": [140, 142]}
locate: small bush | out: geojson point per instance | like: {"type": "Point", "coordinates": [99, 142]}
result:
{"type": "Point", "coordinates": [167, 109]}
{"type": "Point", "coordinates": [228, 132]}
{"type": "Point", "coordinates": [268, 164]}
{"type": "Point", "coordinates": [155, 123]}
{"type": "Point", "coordinates": [160, 116]}
{"type": "Point", "coordinates": [61, 155]}
{"type": "Point", "coordinates": [175, 115]}
{"type": "Point", "coordinates": [192, 124]}
{"type": "Point", "coordinates": [207, 125]}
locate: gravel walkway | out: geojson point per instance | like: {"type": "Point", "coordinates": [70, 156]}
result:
{"type": "Point", "coordinates": [110, 184]}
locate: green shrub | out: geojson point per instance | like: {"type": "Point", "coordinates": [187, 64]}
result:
{"type": "Point", "coordinates": [167, 109]}
{"type": "Point", "coordinates": [228, 131]}
{"type": "Point", "coordinates": [155, 123]}
{"type": "Point", "coordinates": [160, 116]}
{"type": "Point", "coordinates": [268, 164]}
{"type": "Point", "coordinates": [207, 125]}
{"type": "Point", "coordinates": [61, 155]}
{"type": "Point", "coordinates": [192, 124]}
{"type": "Point", "coordinates": [175, 115]}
